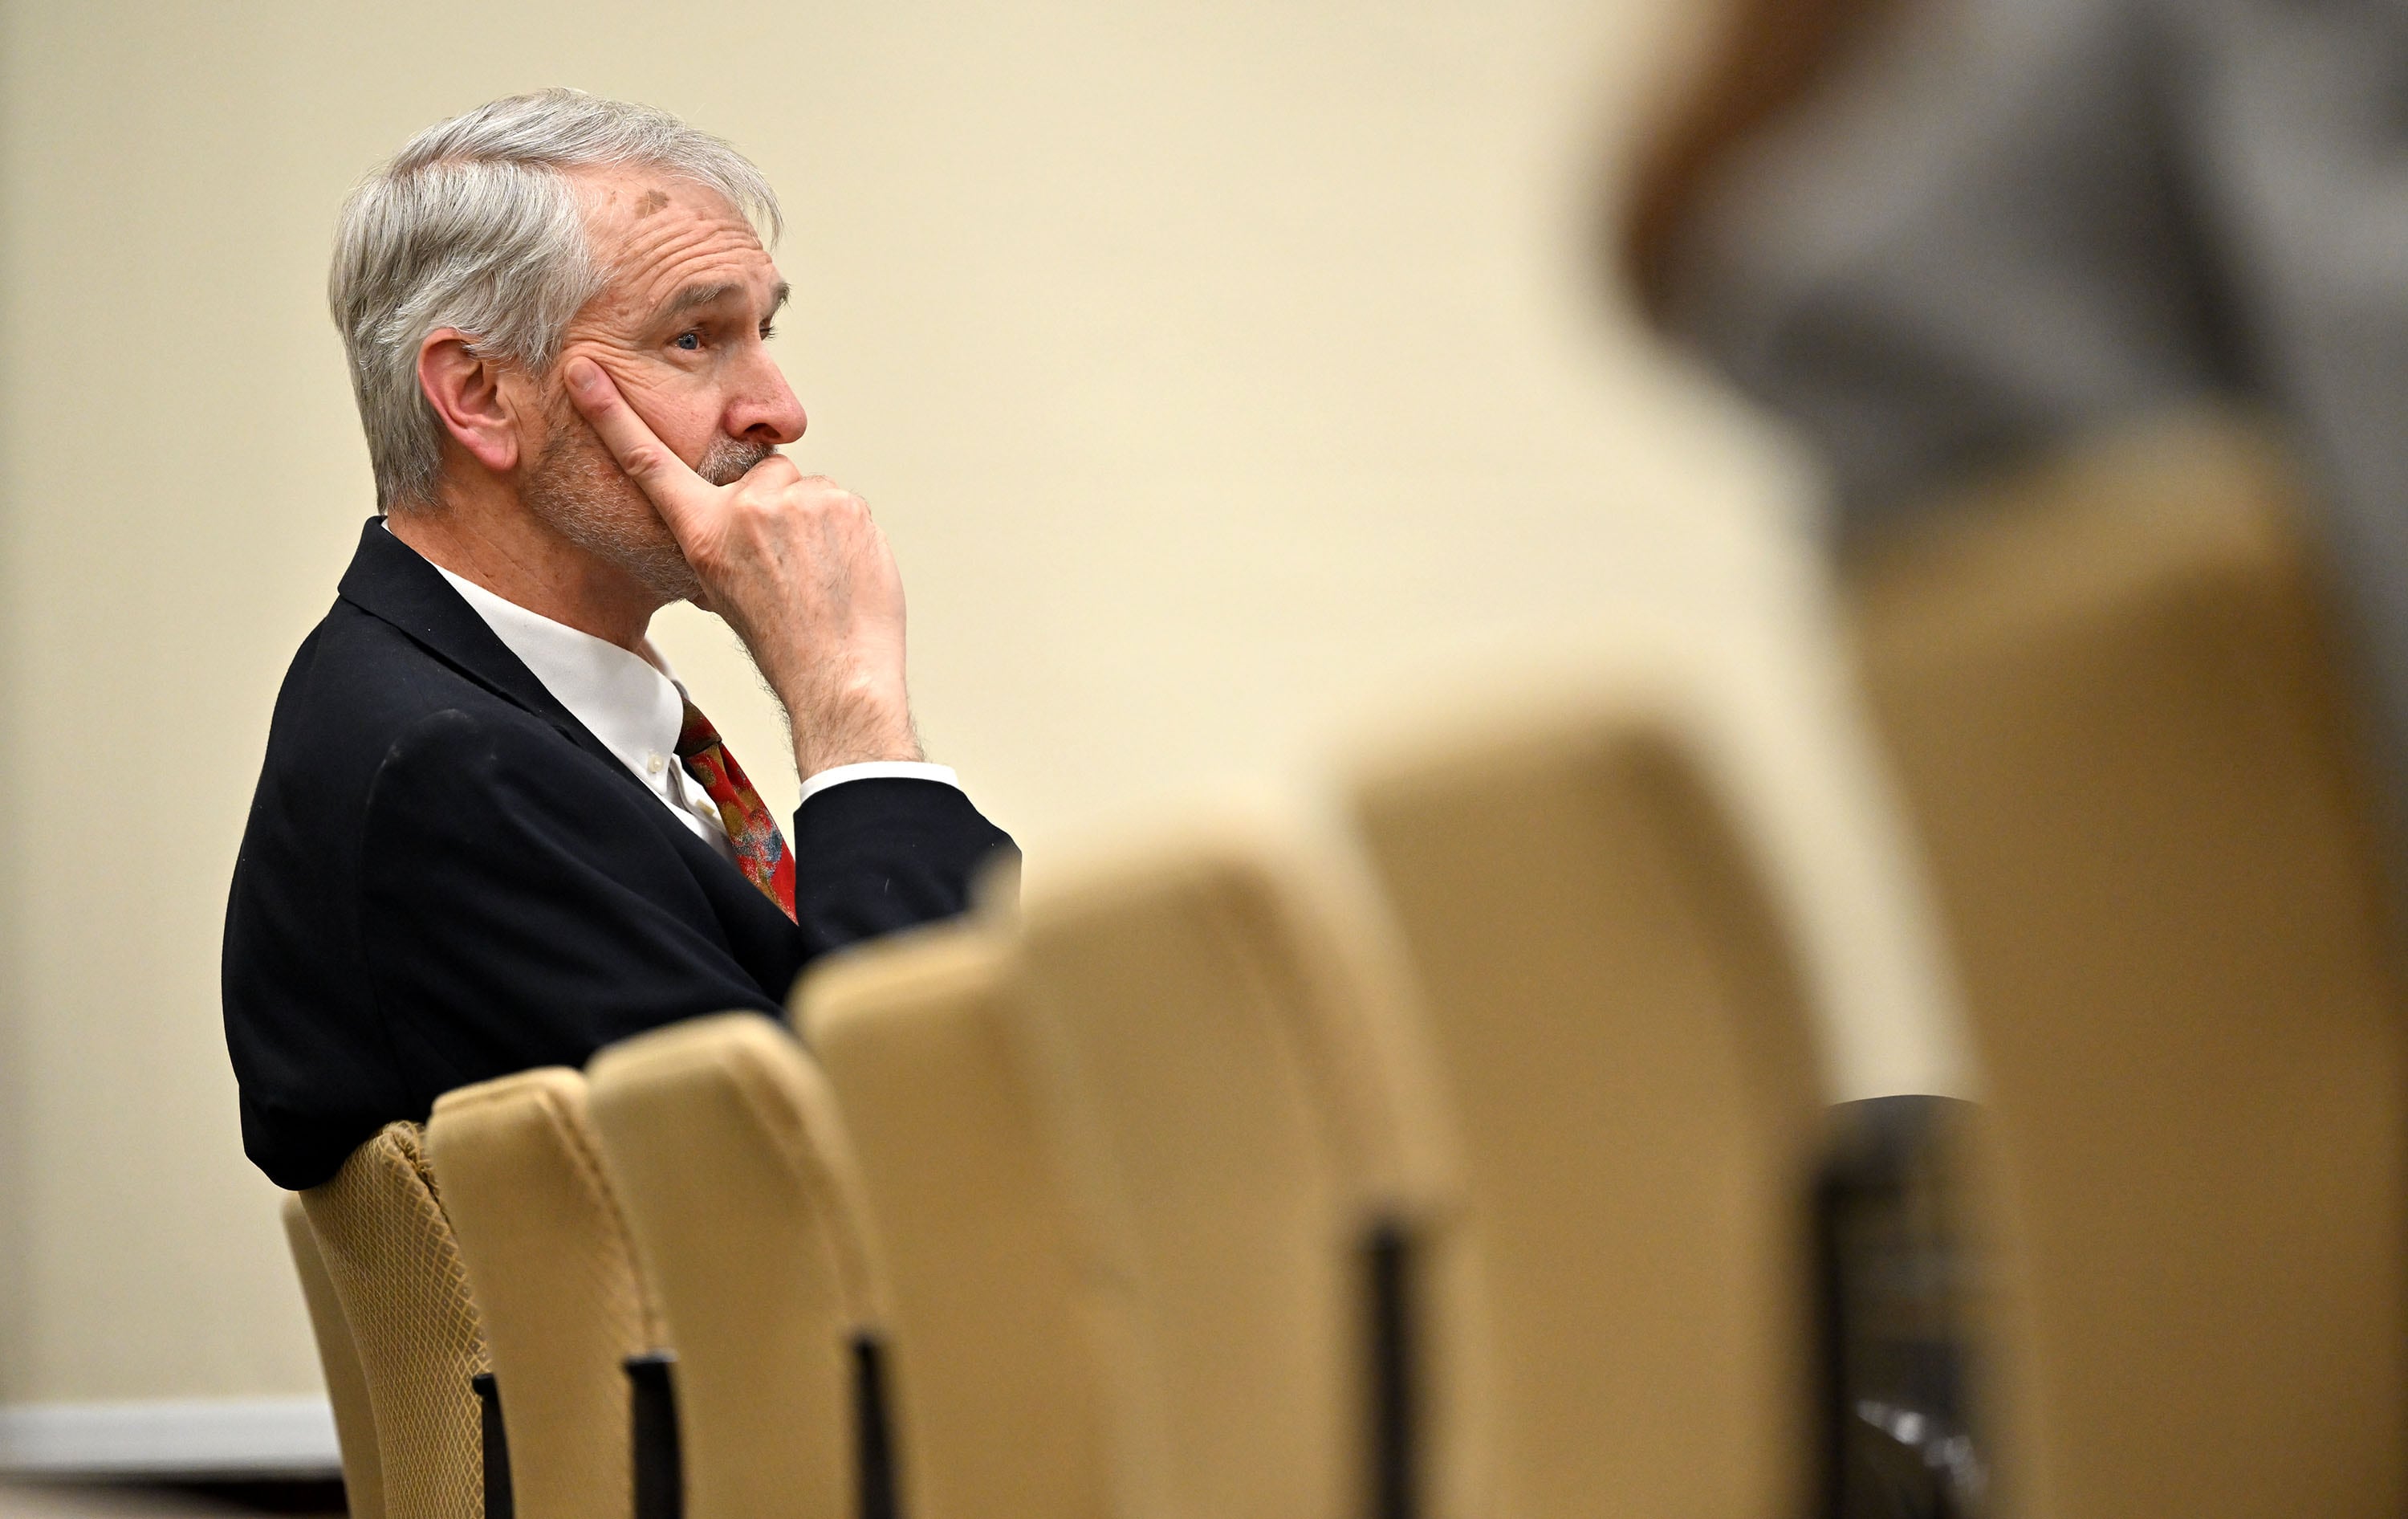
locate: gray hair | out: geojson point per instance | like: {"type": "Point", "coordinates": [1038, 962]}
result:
{"type": "Point", "coordinates": [476, 225]}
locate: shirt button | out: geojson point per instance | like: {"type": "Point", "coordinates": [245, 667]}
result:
{"type": "Point", "coordinates": [653, 764]}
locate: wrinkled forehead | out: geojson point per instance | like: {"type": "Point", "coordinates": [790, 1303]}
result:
{"type": "Point", "coordinates": [657, 234]}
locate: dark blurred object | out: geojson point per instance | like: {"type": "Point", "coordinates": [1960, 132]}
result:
{"type": "Point", "coordinates": [1977, 237]}
{"type": "Point", "coordinates": [1977, 231]}
{"type": "Point", "coordinates": [316, 1498]}
{"type": "Point", "coordinates": [2109, 692]}
{"type": "Point", "coordinates": [1767, 55]}
{"type": "Point", "coordinates": [1899, 1297]}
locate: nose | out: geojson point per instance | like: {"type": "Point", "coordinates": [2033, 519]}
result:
{"type": "Point", "coordinates": [767, 412]}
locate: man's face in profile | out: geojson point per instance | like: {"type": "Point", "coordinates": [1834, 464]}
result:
{"type": "Point", "coordinates": [681, 329]}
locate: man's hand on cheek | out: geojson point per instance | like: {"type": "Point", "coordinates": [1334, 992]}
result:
{"type": "Point", "coordinates": [796, 567]}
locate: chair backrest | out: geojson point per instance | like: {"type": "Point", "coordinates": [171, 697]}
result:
{"type": "Point", "coordinates": [2116, 714]}
{"type": "Point", "coordinates": [347, 1385]}
{"type": "Point", "coordinates": [1222, 1076]}
{"type": "Point", "coordinates": [388, 1247]}
{"type": "Point", "coordinates": [723, 1147]}
{"type": "Point", "coordinates": [555, 1282]}
{"type": "Point", "coordinates": [1629, 1059]}
{"type": "Point", "coordinates": [1000, 1391]}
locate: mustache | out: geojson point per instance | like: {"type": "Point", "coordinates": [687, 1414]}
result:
{"type": "Point", "coordinates": [728, 460]}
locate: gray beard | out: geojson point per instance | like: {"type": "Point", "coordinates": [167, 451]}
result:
{"type": "Point", "coordinates": [579, 491]}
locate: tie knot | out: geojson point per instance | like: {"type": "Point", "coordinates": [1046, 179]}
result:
{"type": "Point", "coordinates": [696, 734]}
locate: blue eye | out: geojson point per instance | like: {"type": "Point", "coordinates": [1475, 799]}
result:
{"type": "Point", "coordinates": [690, 341]}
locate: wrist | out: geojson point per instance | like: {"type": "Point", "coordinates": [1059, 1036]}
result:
{"type": "Point", "coordinates": [855, 732]}
{"type": "Point", "coordinates": [813, 759]}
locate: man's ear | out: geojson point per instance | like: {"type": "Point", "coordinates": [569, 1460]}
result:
{"type": "Point", "coordinates": [467, 392]}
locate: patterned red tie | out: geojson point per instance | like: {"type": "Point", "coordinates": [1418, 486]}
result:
{"type": "Point", "coordinates": [761, 850]}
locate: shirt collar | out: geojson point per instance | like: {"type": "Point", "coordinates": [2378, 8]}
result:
{"type": "Point", "coordinates": [634, 703]}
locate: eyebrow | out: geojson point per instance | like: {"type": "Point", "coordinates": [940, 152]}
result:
{"type": "Point", "coordinates": [693, 296]}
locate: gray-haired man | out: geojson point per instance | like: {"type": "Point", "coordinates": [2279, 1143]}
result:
{"type": "Point", "coordinates": [491, 832]}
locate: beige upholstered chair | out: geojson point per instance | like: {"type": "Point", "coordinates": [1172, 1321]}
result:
{"type": "Point", "coordinates": [2112, 704]}
{"type": "Point", "coordinates": [737, 1181]}
{"type": "Point", "coordinates": [1000, 1393]}
{"type": "Point", "coordinates": [555, 1282]}
{"type": "Point", "coordinates": [347, 1385]}
{"type": "Point", "coordinates": [387, 1249]}
{"type": "Point", "coordinates": [1224, 1079]}
{"type": "Point", "coordinates": [1629, 1059]}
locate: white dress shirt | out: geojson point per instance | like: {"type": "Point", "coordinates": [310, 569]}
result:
{"type": "Point", "coordinates": [635, 704]}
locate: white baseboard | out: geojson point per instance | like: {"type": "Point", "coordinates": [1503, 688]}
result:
{"type": "Point", "coordinates": [197, 1436]}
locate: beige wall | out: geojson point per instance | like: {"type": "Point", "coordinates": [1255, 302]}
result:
{"type": "Point", "coordinates": [1222, 370]}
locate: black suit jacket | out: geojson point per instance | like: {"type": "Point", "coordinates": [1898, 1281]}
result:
{"type": "Point", "coordinates": [446, 877]}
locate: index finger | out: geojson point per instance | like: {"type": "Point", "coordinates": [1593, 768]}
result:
{"type": "Point", "coordinates": [667, 480]}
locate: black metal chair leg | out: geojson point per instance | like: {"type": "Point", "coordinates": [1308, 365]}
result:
{"type": "Point", "coordinates": [499, 1504]}
{"type": "Point", "coordinates": [660, 1468]}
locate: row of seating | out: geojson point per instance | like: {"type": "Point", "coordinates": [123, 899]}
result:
{"type": "Point", "coordinates": [1215, 1184]}
{"type": "Point", "coordinates": [1148, 1203]}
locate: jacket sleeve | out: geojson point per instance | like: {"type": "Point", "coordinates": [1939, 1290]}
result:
{"type": "Point", "coordinates": [521, 908]}
{"type": "Point", "coordinates": [875, 856]}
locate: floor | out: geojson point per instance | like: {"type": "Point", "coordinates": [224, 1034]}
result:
{"type": "Point", "coordinates": [112, 1500]}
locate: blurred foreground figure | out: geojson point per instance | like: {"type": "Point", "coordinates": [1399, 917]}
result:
{"type": "Point", "coordinates": [1944, 235]}
{"type": "Point", "coordinates": [492, 831]}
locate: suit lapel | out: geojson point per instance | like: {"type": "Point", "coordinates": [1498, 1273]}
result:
{"type": "Point", "coordinates": [390, 580]}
